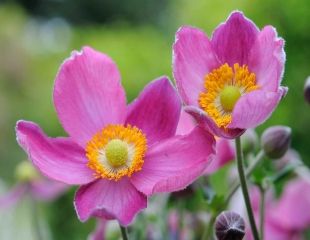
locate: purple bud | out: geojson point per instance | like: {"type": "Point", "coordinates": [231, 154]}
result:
{"type": "Point", "coordinates": [229, 226]}
{"type": "Point", "coordinates": [276, 141]}
{"type": "Point", "coordinates": [307, 90]}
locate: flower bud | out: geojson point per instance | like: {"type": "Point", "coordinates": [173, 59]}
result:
{"type": "Point", "coordinates": [229, 226]}
{"type": "Point", "coordinates": [307, 90]}
{"type": "Point", "coordinates": [276, 141]}
{"type": "Point", "coordinates": [26, 172]}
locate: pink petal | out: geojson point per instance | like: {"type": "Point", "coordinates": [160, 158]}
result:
{"type": "Point", "coordinates": [11, 197]}
{"type": "Point", "coordinates": [209, 125]}
{"type": "Point", "coordinates": [57, 158]}
{"type": "Point", "coordinates": [267, 59]}
{"type": "Point", "coordinates": [253, 108]}
{"type": "Point", "coordinates": [173, 164]}
{"type": "Point", "coordinates": [233, 40]}
{"type": "Point", "coordinates": [47, 190]}
{"type": "Point", "coordinates": [156, 111]}
{"type": "Point", "coordinates": [112, 199]}
{"type": "Point", "coordinates": [186, 124]}
{"type": "Point", "coordinates": [99, 232]}
{"type": "Point", "coordinates": [88, 94]}
{"type": "Point", "coordinates": [224, 154]}
{"type": "Point", "coordinates": [193, 58]}
{"type": "Point", "coordinates": [292, 211]}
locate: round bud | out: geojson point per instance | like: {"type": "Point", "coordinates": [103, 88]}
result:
{"type": "Point", "coordinates": [307, 90]}
{"type": "Point", "coordinates": [229, 226]}
{"type": "Point", "coordinates": [25, 172]}
{"type": "Point", "coordinates": [276, 141]}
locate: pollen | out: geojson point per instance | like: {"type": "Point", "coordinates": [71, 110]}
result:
{"type": "Point", "coordinates": [223, 87]}
{"type": "Point", "coordinates": [116, 151]}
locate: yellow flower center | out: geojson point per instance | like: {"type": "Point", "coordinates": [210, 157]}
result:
{"type": "Point", "coordinates": [116, 151]}
{"type": "Point", "coordinates": [223, 88]}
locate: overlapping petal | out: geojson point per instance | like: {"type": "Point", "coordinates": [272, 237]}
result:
{"type": "Point", "coordinates": [112, 199]}
{"type": "Point", "coordinates": [209, 125]}
{"type": "Point", "coordinates": [193, 58]}
{"type": "Point", "coordinates": [57, 158]}
{"type": "Point", "coordinates": [173, 164]}
{"type": "Point", "coordinates": [88, 94]}
{"type": "Point", "coordinates": [232, 41]}
{"type": "Point", "coordinates": [267, 59]}
{"type": "Point", "coordinates": [156, 111]}
{"type": "Point", "coordinates": [254, 108]}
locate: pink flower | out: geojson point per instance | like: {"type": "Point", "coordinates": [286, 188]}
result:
{"type": "Point", "coordinates": [225, 152]}
{"type": "Point", "coordinates": [231, 82]}
{"type": "Point", "coordinates": [119, 154]}
{"type": "Point", "coordinates": [38, 187]}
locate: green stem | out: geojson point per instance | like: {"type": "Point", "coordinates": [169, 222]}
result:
{"type": "Point", "coordinates": [262, 212]}
{"type": "Point", "coordinates": [236, 184]}
{"type": "Point", "coordinates": [36, 222]}
{"type": "Point", "coordinates": [124, 232]}
{"type": "Point", "coordinates": [248, 173]}
{"type": "Point", "coordinates": [208, 230]}
{"type": "Point", "coordinates": [245, 189]}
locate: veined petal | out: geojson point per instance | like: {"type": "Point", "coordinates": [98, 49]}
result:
{"type": "Point", "coordinates": [193, 58]}
{"type": "Point", "coordinates": [267, 59]}
{"type": "Point", "coordinates": [254, 108]}
{"type": "Point", "coordinates": [233, 40]}
{"type": "Point", "coordinates": [88, 94]}
{"type": "Point", "coordinates": [209, 125]}
{"type": "Point", "coordinates": [111, 199]}
{"type": "Point", "coordinates": [57, 158]}
{"type": "Point", "coordinates": [173, 164]}
{"type": "Point", "coordinates": [156, 111]}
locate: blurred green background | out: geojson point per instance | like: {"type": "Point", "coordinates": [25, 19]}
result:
{"type": "Point", "coordinates": [36, 36]}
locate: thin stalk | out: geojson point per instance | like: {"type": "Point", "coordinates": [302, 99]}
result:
{"type": "Point", "coordinates": [207, 234]}
{"type": "Point", "coordinates": [248, 173]}
{"type": "Point", "coordinates": [124, 232]}
{"type": "Point", "coordinates": [35, 219]}
{"type": "Point", "coordinates": [262, 212]}
{"type": "Point", "coordinates": [236, 184]}
{"type": "Point", "coordinates": [245, 188]}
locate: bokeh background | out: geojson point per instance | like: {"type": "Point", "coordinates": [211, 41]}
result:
{"type": "Point", "coordinates": [36, 36]}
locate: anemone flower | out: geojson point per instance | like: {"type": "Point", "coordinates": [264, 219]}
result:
{"type": "Point", "coordinates": [119, 154]}
{"type": "Point", "coordinates": [231, 82]}
{"type": "Point", "coordinates": [224, 149]}
{"type": "Point", "coordinates": [31, 183]}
